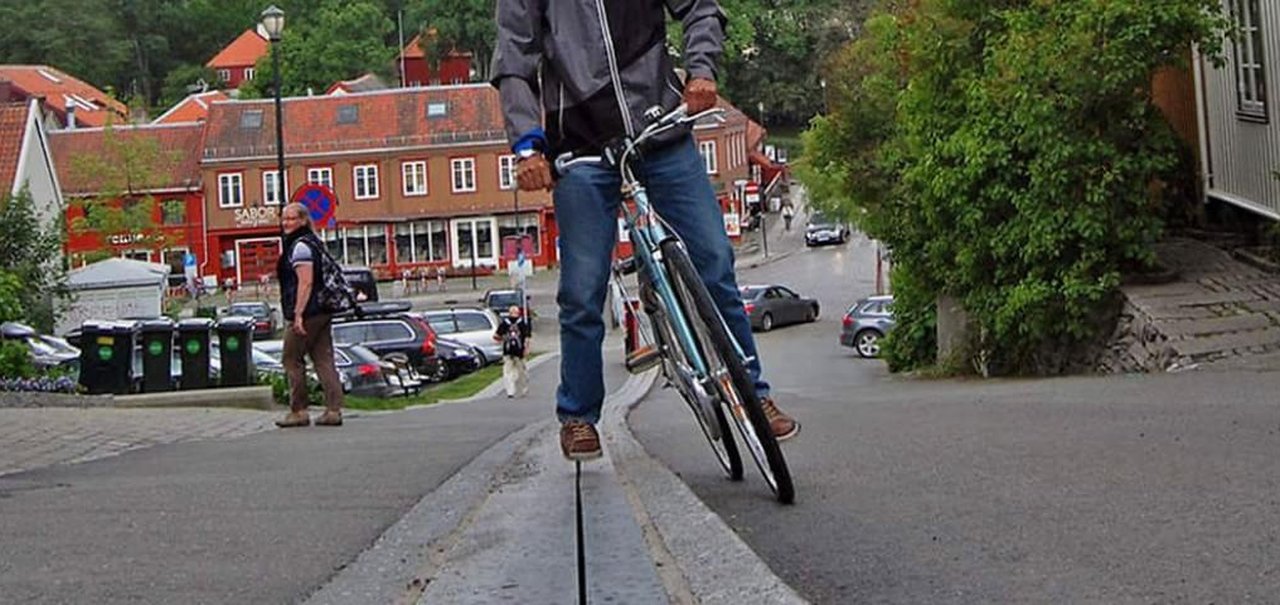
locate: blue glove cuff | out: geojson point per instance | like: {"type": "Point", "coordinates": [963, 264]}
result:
{"type": "Point", "coordinates": [534, 139]}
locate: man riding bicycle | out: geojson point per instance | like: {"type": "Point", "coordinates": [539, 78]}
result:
{"type": "Point", "coordinates": [574, 76]}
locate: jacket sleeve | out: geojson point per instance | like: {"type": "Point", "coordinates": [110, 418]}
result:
{"type": "Point", "coordinates": [517, 59]}
{"type": "Point", "coordinates": [704, 23]}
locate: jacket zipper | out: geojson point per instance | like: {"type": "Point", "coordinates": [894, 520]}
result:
{"type": "Point", "coordinates": [560, 119]}
{"type": "Point", "coordinates": [613, 68]}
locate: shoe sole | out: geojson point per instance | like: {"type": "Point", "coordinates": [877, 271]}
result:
{"type": "Point", "coordinates": [788, 435]}
{"type": "Point", "coordinates": [584, 456]}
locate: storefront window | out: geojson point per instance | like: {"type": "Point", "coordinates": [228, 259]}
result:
{"type": "Point", "coordinates": [377, 238]}
{"type": "Point", "coordinates": [354, 237]}
{"type": "Point", "coordinates": [404, 243]}
{"type": "Point", "coordinates": [484, 235]}
{"type": "Point", "coordinates": [439, 241]}
{"type": "Point", "coordinates": [528, 224]}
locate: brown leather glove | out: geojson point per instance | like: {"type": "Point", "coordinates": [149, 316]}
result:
{"type": "Point", "coordinates": [534, 174]}
{"type": "Point", "coordinates": [699, 95]}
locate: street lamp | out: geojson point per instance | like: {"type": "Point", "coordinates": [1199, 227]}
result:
{"type": "Point", "coordinates": [273, 24]}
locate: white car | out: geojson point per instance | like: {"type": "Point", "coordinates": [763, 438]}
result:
{"type": "Point", "coordinates": [475, 327]}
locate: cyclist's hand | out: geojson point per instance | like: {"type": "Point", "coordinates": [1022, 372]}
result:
{"type": "Point", "coordinates": [699, 95]}
{"type": "Point", "coordinates": [534, 174]}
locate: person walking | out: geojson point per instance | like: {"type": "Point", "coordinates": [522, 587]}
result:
{"type": "Point", "coordinates": [514, 333]}
{"type": "Point", "coordinates": [788, 213]}
{"type": "Point", "coordinates": [309, 330]}
{"type": "Point", "coordinates": [572, 76]}
{"type": "Point", "coordinates": [440, 277]}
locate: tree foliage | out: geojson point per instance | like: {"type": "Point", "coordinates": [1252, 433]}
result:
{"type": "Point", "coordinates": [449, 25]}
{"type": "Point", "coordinates": [30, 254]}
{"type": "Point", "coordinates": [1005, 150]}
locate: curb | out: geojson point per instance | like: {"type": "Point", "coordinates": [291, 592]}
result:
{"type": "Point", "coordinates": [699, 556]}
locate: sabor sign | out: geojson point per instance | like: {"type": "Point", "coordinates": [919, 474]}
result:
{"type": "Point", "coordinates": [257, 216]}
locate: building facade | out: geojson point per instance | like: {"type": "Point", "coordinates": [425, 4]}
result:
{"type": "Point", "coordinates": [26, 160]}
{"type": "Point", "coordinates": [235, 63]}
{"type": "Point", "coordinates": [454, 68]}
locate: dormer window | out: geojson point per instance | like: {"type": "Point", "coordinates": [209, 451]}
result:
{"type": "Point", "coordinates": [437, 110]}
{"type": "Point", "coordinates": [348, 114]}
{"type": "Point", "coordinates": [251, 119]}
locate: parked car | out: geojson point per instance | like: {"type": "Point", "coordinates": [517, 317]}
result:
{"type": "Point", "coordinates": [362, 280]}
{"type": "Point", "coordinates": [265, 319]}
{"type": "Point", "coordinates": [355, 373]}
{"type": "Point", "coordinates": [475, 327]}
{"type": "Point", "coordinates": [865, 323]}
{"type": "Point", "coordinates": [46, 351]}
{"type": "Point", "coordinates": [772, 305]}
{"type": "Point", "coordinates": [389, 327]}
{"type": "Point", "coordinates": [455, 359]}
{"type": "Point", "coordinates": [823, 230]}
{"type": "Point", "coordinates": [499, 301]}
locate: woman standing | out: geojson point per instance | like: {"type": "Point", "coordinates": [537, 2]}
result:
{"type": "Point", "coordinates": [309, 332]}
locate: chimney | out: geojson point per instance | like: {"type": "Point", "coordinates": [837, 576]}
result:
{"type": "Point", "coordinates": [71, 114]}
{"type": "Point", "coordinates": [6, 91]}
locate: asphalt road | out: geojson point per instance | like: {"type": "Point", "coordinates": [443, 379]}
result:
{"type": "Point", "coordinates": [1082, 490]}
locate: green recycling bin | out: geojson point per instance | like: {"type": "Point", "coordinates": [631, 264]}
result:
{"type": "Point", "coordinates": [235, 351]}
{"type": "Point", "coordinates": [106, 356]}
{"type": "Point", "coordinates": [157, 355]}
{"type": "Point", "coordinates": [193, 349]}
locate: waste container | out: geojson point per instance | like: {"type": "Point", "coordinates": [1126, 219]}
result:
{"type": "Point", "coordinates": [235, 351]}
{"type": "Point", "coordinates": [157, 355]}
{"type": "Point", "coordinates": [106, 356]}
{"type": "Point", "coordinates": [193, 348]}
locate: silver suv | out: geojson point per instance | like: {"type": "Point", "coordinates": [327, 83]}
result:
{"type": "Point", "coordinates": [475, 327]}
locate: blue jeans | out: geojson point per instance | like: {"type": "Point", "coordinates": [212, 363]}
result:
{"type": "Point", "coordinates": [586, 202]}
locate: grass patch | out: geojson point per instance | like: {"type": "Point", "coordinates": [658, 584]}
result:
{"type": "Point", "coordinates": [458, 388]}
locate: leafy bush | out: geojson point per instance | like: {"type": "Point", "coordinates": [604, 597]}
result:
{"type": "Point", "coordinates": [1005, 152]}
{"type": "Point", "coordinates": [15, 360]}
{"type": "Point", "coordinates": [280, 389]}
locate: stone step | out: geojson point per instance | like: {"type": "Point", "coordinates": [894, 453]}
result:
{"type": "Point", "coordinates": [1198, 348]}
{"type": "Point", "coordinates": [1216, 325]}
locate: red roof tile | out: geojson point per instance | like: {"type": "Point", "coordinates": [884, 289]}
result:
{"type": "Point", "coordinates": [191, 109]}
{"type": "Point", "coordinates": [395, 118]}
{"type": "Point", "coordinates": [178, 143]}
{"type": "Point", "coordinates": [413, 50]}
{"type": "Point", "coordinates": [244, 51]}
{"type": "Point", "coordinates": [13, 129]}
{"type": "Point", "coordinates": [93, 107]}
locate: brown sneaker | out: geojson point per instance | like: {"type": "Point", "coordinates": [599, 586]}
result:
{"type": "Point", "coordinates": [579, 441]}
{"type": "Point", "coordinates": [783, 426]}
{"type": "Point", "coordinates": [294, 419]}
{"type": "Point", "coordinates": [330, 418]}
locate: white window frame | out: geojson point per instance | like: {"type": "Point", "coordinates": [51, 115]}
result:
{"type": "Point", "coordinates": [228, 183]}
{"type": "Point", "coordinates": [413, 176]}
{"type": "Point", "coordinates": [224, 75]}
{"type": "Point", "coordinates": [506, 172]}
{"type": "Point", "coordinates": [320, 176]}
{"type": "Point", "coordinates": [249, 72]}
{"type": "Point", "coordinates": [708, 151]}
{"type": "Point", "coordinates": [369, 179]}
{"type": "Point", "coordinates": [267, 177]}
{"type": "Point", "coordinates": [1251, 69]}
{"type": "Point", "coordinates": [464, 169]}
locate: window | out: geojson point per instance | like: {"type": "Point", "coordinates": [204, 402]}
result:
{"type": "Point", "coordinates": [230, 190]}
{"type": "Point", "coordinates": [708, 151]}
{"type": "Point", "coordinates": [272, 193]}
{"type": "Point", "coordinates": [224, 75]}
{"type": "Point", "coordinates": [421, 242]}
{"type": "Point", "coordinates": [474, 322]}
{"type": "Point", "coordinates": [366, 177]}
{"type": "Point", "coordinates": [1251, 81]}
{"type": "Point", "coordinates": [248, 73]}
{"type": "Point", "coordinates": [506, 171]}
{"type": "Point", "coordinates": [415, 177]}
{"type": "Point", "coordinates": [348, 114]}
{"type": "Point", "coordinates": [173, 212]}
{"type": "Point", "coordinates": [251, 119]}
{"type": "Point", "coordinates": [437, 110]}
{"type": "Point", "coordinates": [320, 176]}
{"type": "Point", "coordinates": [464, 175]}
{"type": "Point", "coordinates": [509, 228]}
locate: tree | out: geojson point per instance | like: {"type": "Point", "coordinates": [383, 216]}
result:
{"type": "Point", "coordinates": [1004, 151]}
{"type": "Point", "coordinates": [30, 256]}
{"type": "Point", "coordinates": [337, 41]}
{"type": "Point", "coordinates": [449, 25]}
{"type": "Point", "coordinates": [122, 174]}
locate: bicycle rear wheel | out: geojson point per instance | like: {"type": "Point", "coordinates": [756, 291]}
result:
{"type": "Point", "coordinates": [737, 391]}
{"type": "Point", "coordinates": [710, 416]}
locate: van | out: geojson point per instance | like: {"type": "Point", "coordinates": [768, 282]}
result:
{"type": "Point", "coordinates": [362, 281]}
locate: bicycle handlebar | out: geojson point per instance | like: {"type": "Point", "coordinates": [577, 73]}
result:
{"type": "Point", "coordinates": [675, 117]}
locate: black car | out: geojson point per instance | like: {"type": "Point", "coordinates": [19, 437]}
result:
{"type": "Point", "coordinates": [265, 318]}
{"type": "Point", "coordinates": [361, 280]}
{"type": "Point", "coordinates": [387, 327]}
{"type": "Point", "coordinates": [455, 358]}
{"type": "Point", "coordinates": [772, 305]}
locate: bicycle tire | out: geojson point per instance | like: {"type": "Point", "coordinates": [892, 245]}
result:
{"type": "Point", "coordinates": [755, 431]}
{"type": "Point", "coordinates": [724, 447]}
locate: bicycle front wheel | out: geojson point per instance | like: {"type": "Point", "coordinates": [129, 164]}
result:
{"type": "Point", "coordinates": [726, 366]}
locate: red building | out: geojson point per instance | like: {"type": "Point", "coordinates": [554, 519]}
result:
{"type": "Point", "coordinates": [234, 64]}
{"type": "Point", "coordinates": [175, 187]}
{"type": "Point", "coordinates": [454, 68]}
{"type": "Point", "coordinates": [67, 100]}
{"type": "Point", "coordinates": [423, 178]}
{"type": "Point", "coordinates": [194, 108]}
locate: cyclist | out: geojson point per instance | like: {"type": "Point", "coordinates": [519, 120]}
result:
{"type": "Point", "coordinates": [573, 76]}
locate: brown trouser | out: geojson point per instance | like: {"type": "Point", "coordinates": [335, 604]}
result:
{"type": "Point", "coordinates": [318, 345]}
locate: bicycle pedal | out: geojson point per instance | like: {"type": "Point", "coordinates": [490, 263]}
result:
{"type": "Point", "coordinates": [643, 358]}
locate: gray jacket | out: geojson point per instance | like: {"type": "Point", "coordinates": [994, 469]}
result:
{"type": "Point", "coordinates": [588, 69]}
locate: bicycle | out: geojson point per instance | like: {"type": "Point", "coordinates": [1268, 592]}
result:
{"type": "Point", "coordinates": [691, 341]}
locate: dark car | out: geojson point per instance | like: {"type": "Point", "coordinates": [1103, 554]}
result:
{"type": "Point", "coordinates": [359, 369]}
{"type": "Point", "coordinates": [499, 301]}
{"type": "Point", "coordinates": [389, 327]}
{"type": "Point", "coordinates": [823, 230]}
{"type": "Point", "coordinates": [865, 323]}
{"type": "Point", "coordinates": [265, 319]}
{"type": "Point", "coordinates": [475, 327]}
{"type": "Point", "coordinates": [455, 359]}
{"type": "Point", "coordinates": [772, 305]}
{"type": "Point", "coordinates": [361, 280]}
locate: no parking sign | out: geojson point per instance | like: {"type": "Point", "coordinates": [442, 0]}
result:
{"type": "Point", "coordinates": [321, 203]}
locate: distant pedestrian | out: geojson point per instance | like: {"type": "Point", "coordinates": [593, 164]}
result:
{"type": "Point", "coordinates": [440, 281]}
{"type": "Point", "coordinates": [422, 279]}
{"type": "Point", "coordinates": [309, 333]}
{"type": "Point", "coordinates": [514, 333]}
{"type": "Point", "coordinates": [787, 214]}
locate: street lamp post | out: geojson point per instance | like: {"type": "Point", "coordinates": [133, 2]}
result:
{"type": "Point", "coordinates": [273, 23]}
{"type": "Point", "coordinates": [764, 203]}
